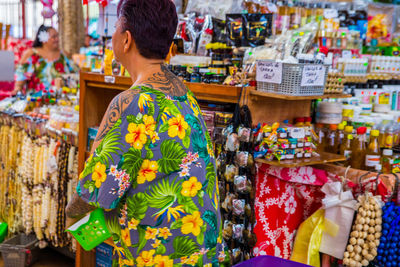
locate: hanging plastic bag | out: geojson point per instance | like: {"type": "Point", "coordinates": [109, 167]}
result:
{"type": "Point", "coordinates": [339, 209]}
{"type": "Point", "coordinates": [308, 239]}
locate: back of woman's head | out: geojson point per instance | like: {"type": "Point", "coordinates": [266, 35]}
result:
{"type": "Point", "coordinates": [152, 24]}
{"type": "Point", "coordinates": [38, 42]}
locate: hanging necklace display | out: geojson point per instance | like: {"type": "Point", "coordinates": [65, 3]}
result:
{"type": "Point", "coordinates": [389, 248]}
{"type": "Point", "coordinates": [366, 230]}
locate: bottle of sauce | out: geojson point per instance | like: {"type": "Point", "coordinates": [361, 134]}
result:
{"type": "Point", "coordinates": [387, 161]}
{"type": "Point", "coordinates": [331, 140]}
{"type": "Point", "coordinates": [299, 122]}
{"type": "Point", "coordinates": [382, 141]}
{"type": "Point", "coordinates": [389, 137]}
{"type": "Point", "coordinates": [359, 149]}
{"type": "Point", "coordinates": [373, 155]}
{"type": "Point", "coordinates": [339, 137]}
{"type": "Point", "coordinates": [345, 147]}
{"type": "Point", "coordinates": [303, 14]}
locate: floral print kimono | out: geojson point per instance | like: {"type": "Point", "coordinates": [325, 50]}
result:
{"type": "Point", "coordinates": [155, 173]}
{"type": "Point", "coordinates": [40, 73]}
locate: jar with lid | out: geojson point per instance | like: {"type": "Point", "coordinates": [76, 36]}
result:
{"type": "Point", "coordinates": [387, 160]}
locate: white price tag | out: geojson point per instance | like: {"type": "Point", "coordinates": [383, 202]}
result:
{"type": "Point", "coordinates": [297, 133]}
{"type": "Point", "coordinates": [313, 75]}
{"type": "Point", "coordinates": [268, 71]}
{"type": "Point", "coordinates": [330, 13]}
{"type": "Point", "coordinates": [109, 79]}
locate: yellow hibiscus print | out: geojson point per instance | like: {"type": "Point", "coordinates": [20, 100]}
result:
{"type": "Point", "coordinates": [126, 262]}
{"type": "Point", "coordinates": [132, 224]}
{"type": "Point", "coordinates": [151, 233]}
{"type": "Point", "coordinates": [164, 232]}
{"type": "Point", "coordinates": [177, 127]}
{"type": "Point", "coordinates": [147, 171]}
{"type": "Point", "coordinates": [163, 261]}
{"type": "Point", "coordinates": [192, 224]}
{"type": "Point", "coordinates": [99, 174]}
{"type": "Point", "coordinates": [154, 137]}
{"type": "Point", "coordinates": [143, 102]}
{"type": "Point", "coordinates": [193, 260]}
{"type": "Point", "coordinates": [191, 187]}
{"type": "Point", "coordinates": [126, 236]}
{"type": "Point", "coordinates": [156, 243]}
{"type": "Point", "coordinates": [136, 136]}
{"type": "Point", "coordinates": [145, 258]}
{"type": "Point", "coordinates": [150, 124]}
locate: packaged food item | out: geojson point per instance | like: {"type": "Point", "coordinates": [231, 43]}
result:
{"type": "Point", "coordinates": [234, 28]}
{"type": "Point", "coordinates": [258, 27]}
{"type": "Point", "coordinates": [359, 149]}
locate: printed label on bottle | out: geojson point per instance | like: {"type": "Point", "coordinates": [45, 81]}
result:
{"type": "Point", "coordinates": [372, 160]}
{"type": "Point", "coordinates": [300, 144]}
{"type": "Point", "coordinates": [347, 154]}
{"type": "Point", "coordinates": [389, 141]}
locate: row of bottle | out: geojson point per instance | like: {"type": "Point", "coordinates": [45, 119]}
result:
{"type": "Point", "coordinates": [359, 153]}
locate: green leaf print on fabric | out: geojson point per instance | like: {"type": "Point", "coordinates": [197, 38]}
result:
{"type": "Point", "coordinates": [186, 139]}
{"type": "Point", "coordinates": [194, 123]}
{"type": "Point", "coordinates": [142, 241]}
{"type": "Point", "coordinates": [200, 237]}
{"type": "Point", "coordinates": [200, 146]}
{"type": "Point", "coordinates": [132, 162]}
{"type": "Point", "coordinates": [176, 224]}
{"type": "Point", "coordinates": [211, 253]}
{"type": "Point", "coordinates": [161, 249]}
{"type": "Point", "coordinates": [137, 206]}
{"type": "Point", "coordinates": [183, 247]}
{"type": "Point", "coordinates": [210, 176]}
{"type": "Point", "coordinates": [90, 185]}
{"type": "Point", "coordinates": [163, 195]}
{"type": "Point", "coordinates": [114, 227]}
{"type": "Point", "coordinates": [188, 204]}
{"type": "Point", "coordinates": [89, 168]}
{"type": "Point", "coordinates": [110, 144]}
{"type": "Point", "coordinates": [211, 239]}
{"type": "Point", "coordinates": [172, 155]}
{"type": "Point", "coordinates": [138, 119]}
{"type": "Point", "coordinates": [164, 128]}
{"type": "Point", "coordinates": [211, 219]}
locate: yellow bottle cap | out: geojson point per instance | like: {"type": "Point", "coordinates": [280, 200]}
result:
{"type": "Point", "coordinates": [375, 133]}
{"type": "Point", "coordinates": [350, 136]}
{"type": "Point", "coordinates": [348, 129]}
{"type": "Point", "coordinates": [341, 126]}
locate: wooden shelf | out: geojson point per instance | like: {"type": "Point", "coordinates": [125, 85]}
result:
{"type": "Point", "coordinates": [322, 159]}
{"type": "Point", "coordinates": [258, 94]}
{"type": "Point", "coordinates": [215, 92]}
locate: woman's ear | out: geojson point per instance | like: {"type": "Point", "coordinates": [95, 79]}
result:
{"type": "Point", "coordinates": [128, 41]}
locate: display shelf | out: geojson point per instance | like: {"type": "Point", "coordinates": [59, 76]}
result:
{"type": "Point", "coordinates": [256, 94]}
{"type": "Point", "coordinates": [215, 92]}
{"type": "Point", "coordinates": [322, 159]}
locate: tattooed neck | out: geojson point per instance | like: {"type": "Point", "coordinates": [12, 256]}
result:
{"type": "Point", "coordinates": [166, 81]}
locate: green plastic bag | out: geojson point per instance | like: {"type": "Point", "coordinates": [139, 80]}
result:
{"type": "Point", "coordinates": [3, 231]}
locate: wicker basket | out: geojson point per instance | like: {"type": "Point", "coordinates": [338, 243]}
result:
{"type": "Point", "coordinates": [20, 251]}
{"type": "Point", "coordinates": [291, 82]}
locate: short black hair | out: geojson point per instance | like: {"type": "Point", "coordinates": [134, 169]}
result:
{"type": "Point", "coordinates": [37, 42]}
{"type": "Point", "coordinates": [152, 24]}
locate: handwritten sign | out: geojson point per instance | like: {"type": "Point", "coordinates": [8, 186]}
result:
{"type": "Point", "coordinates": [313, 75]}
{"type": "Point", "coordinates": [268, 71]}
{"type": "Point", "coordinates": [330, 13]}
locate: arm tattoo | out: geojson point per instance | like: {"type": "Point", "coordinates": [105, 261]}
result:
{"type": "Point", "coordinates": [77, 207]}
{"type": "Point", "coordinates": [114, 111]}
{"type": "Point", "coordinates": [167, 82]}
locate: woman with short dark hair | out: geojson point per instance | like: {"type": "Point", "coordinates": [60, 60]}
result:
{"type": "Point", "coordinates": [42, 64]}
{"type": "Point", "coordinates": [152, 166]}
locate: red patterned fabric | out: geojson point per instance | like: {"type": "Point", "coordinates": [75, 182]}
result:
{"type": "Point", "coordinates": [285, 198]}
{"type": "Point", "coordinates": [18, 46]}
